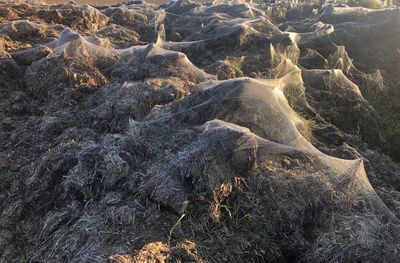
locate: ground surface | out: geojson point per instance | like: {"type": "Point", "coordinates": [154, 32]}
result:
{"type": "Point", "coordinates": [188, 132]}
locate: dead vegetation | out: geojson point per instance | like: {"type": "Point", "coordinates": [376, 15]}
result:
{"type": "Point", "coordinates": [224, 132]}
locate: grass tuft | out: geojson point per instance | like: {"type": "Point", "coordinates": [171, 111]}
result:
{"type": "Point", "coordinates": [6, 179]}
